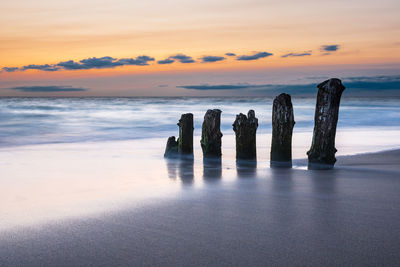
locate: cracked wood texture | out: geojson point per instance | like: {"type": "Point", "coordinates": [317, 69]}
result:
{"type": "Point", "coordinates": [322, 152]}
{"type": "Point", "coordinates": [282, 130]}
{"type": "Point", "coordinates": [185, 140]}
{"type": "Point", "coordinates": [245, 129]}
{"type": "Point", "coordinates": [211, 134]}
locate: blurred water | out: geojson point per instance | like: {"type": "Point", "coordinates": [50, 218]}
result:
{"type": "Point", "coordinates": [62, 120]}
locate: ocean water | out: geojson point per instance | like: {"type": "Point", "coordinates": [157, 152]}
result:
{"type": "Point", "coordinates": [28, 121]}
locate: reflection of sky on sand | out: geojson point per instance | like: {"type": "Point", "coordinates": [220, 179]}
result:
{"type": "Point", "coordinates": [50, 182]}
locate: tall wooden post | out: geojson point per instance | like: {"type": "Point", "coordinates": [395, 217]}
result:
{"type": "Point", "coordinates": [211, 134]}
{"type": "Point", "coordinates": [322, 152]}
{"type": "Point", "coordinates": [245, 129]}
{"type": "Point", "coordinates": [185, 140]}
{"type": "Point", "coordinates": [282, 129]}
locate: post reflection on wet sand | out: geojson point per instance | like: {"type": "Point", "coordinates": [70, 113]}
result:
{"type": "Point", "coordinates": [283, 197]}
{"type": "Point", "coordinates": [246, 168]}
{"type": "Point", "coordinates": [212, 169]}
{"type": "Point", "coordinates": [181, 168]}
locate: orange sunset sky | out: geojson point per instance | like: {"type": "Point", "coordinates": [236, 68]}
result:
{"type": "Point", "coordinates": [134, 48]}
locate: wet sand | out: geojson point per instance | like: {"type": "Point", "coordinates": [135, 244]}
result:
{"type": "Point", "coordinates": [216, 213]}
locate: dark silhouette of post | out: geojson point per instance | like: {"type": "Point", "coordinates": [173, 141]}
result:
{"type": "Point", "coordinates": [282, 129]}
{"type": "Point", "coordinates": [211, 134]}
{"type": "Point", "coordinates": [245, 129]}
{"type": "Point", "coordinates": [185, 140]}
{"type": "Point", "coordinates": [171, 150]}
{"type": "Point", "coordinates": [322, 152]}
{"type": "Point", "coordinates": [184, 144]}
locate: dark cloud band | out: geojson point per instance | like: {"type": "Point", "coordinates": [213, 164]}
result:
{"type": "Point", "coordinates": [47, 89]}
{"type": "Point", "coordinates": [354, 84]}
{"type": "Point", "coordinates": [330, 48]}
{"type": "Point", "coordinates": [206, 59]}
{"type": "Point", "coordinates": [254, 56]}
{"type": "Point", "coordinates": [308, 53]}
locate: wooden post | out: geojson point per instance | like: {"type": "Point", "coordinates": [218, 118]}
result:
{"type": "Point", "coordinates": [322, 152]}
{"type": "Point", "coordinates": [185, 140]}
{"type": "Point", "coordinates": [282, 129]}
{"type": "Point", "coordinates": [245, 129]}
{"type": "Point", "coordinates": [171, 150]}
{"type": "Point", "coordinates": [211, 134]}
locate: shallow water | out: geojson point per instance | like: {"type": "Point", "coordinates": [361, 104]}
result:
{"type": "Point", "coordinates": [62, 120]}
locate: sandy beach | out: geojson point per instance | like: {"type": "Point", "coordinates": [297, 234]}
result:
{"type": "Point", "coordinates": [131, 210]}
{"type": "Point", "coordinates": [199, 133]}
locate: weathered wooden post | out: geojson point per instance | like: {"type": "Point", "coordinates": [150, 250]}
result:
{"type": "Point", "coordinates": [211, 134]}
{"type": "Point", "coordinates": [282, 129]}
{"type": "Point", "coordinates": [322, 152]}
{"type": "Point", "coordinates": [185, 140]}
{"type": "Point", "coordinates": [184, 144]}
{"type": "Point", "coordinates": [171, 150]}
{"type": "Point", "coordinates": [245, 129]}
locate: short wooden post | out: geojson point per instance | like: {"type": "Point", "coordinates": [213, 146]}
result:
{"type": "Point", "coordinates": [171, 150]}
{"type": "Point", "coordinates": [211, 134]}
{"type": "Point", "coordinates": [245, 129]}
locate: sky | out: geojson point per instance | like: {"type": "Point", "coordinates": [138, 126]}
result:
{"type": "Point", "coordinates": [178, 48]}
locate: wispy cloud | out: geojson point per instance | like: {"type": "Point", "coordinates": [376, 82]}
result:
{"type": "Point", "coordinates": [254, 56]}
{"type": "Point", "coordinates": [10, 69]}
{"type": "Point", "coordinates": [230, 54]}
{"type": "Point", "coordinates": [183, 58]}
{"type": "Point", "coordinates": [45, 67]}
{"type": "Point", "coordinates": [138, 61]}
{"type": "Point", "coordinates": [206, 59]}
{"type": "Point", "coordinates": [104, 62]}
{"type": "Point", "coordinates": [330, 48]}
{"type": "Point", "coordinates": [48, 89]}
{"type": "Point", "coordinates": [166, 61]}
{"type": "Point", "coordinates": [218, 86]}
{"type": "Point", "coordinates": [308, 53]}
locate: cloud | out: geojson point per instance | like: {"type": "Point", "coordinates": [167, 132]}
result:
{"type": "Point", "coordinates": [85, 64]}
{"type": "Point", "coordinates": [10, 69]}
{"type": "Point", "coordinates": [308, 53]}
{"type": "Point", "coordinates": [47, 89]}
{"type": "Point", "coordinates": [110, 62]}
{"type": "Point", "coordinates": [357, 86]}
{"type": "Point", "coordinates": [330, 48]}
{"type": "Point", "coordinates": [45, 67]}
{"type": "Point", "coordinates": [183, 58]}
{"type": "Point", "coordinates": [166, 61]}
{"type": "Point", "coordinates": [217, 87]}
{"type": "Point", "coordinates": [71, 65]}
{"type": "Point", "coordinates": [104, 62]}
{"type": "Point", "coordinates": [138, 61]}
{"type": "Point", "coordinates": [206, 59]}
{"type": "Point", "coordinates": [255, 56]}
{"type": "Point", "coordinates": [99, 63]}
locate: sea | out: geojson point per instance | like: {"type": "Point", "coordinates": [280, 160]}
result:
{"type": "Point", "coordinates": [365, 125]}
